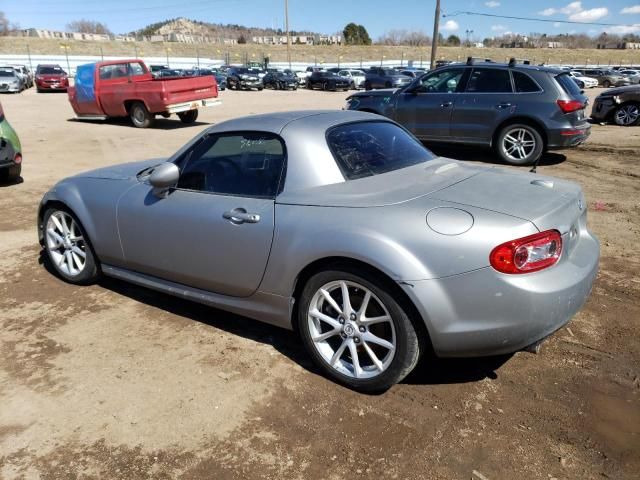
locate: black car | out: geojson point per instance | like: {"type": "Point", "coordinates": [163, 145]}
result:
{"type": "Point", "coordinates": [241, 78]}
{"type": "Point", "coordinates": [379, 77]}
{"type": "Point", "coordinates": [327, 81]}
{"type": "Point", "coordinates": [169, 73]}
{"type": "Point", "coordinates": [519, 110]}
{"type": "Point", "coordinates": [280, 81]}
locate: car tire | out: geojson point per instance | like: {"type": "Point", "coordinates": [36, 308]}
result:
{"type": "Point", "coordinates": [325, 86]}
{"type": "Point", "coordinates": [188, 117]}
{"type": "Point", "coordinates": [387, 85]}
{"type": "Point", "coordinates": [606, 84]}
{"type": "Point", "coordinates": [367, 85]}
{"type": "Point", "coordinates": [519, 144]}
{"type": "Point", "coordinates": [627, 115]}
{"type": "Point", "coordinates": [140, 116]}
{"type": "Point", "coordinates": [387, 350]}
{"type": "Point", "coordinates": [65, 243]}
{"type": "Point", "coordinates": [11, 174]}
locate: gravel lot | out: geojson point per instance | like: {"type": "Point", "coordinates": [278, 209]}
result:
{"type": "Point", "coordinates": [115, 381]}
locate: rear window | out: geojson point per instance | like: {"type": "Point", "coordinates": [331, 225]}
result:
{"type": "Point", "coordinates": [524, 83]}
{"type": "Point", "coordinates": [567, 84]}
{"type": "Point", "coordinates": [363, 149]}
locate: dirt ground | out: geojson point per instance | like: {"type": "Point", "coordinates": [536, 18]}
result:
{"type": "Point", "coordinates": [116, 381]}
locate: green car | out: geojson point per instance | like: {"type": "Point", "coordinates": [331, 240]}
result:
{"type": "Point", "coordinates": [10, 151]}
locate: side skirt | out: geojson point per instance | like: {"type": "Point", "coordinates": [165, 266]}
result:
{"type": "Point", "coordinates": [264, 307]}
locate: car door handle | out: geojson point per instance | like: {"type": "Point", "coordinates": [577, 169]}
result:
{"type": "Point", "coordinates": [446, 104]}
{"type": "Point", "coordinates": [240, 215]}
{"type": "Point", "coordinates": [503, 105]}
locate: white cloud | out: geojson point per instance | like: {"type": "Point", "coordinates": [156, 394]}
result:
{"type": "Point", "coordinates": [558, 24]}
{"type": "Point", "coordinates": [631, 9]}
{"type": "Point", "coordinates": [498, 28]}
{"type": "Point", "coordinates": [450, 26]}
{"type": "Point", "coordinates": [572, 8]}
{"type": "Point", "coordinates": [624, 29]}
{"type": "Point", "coordinates": [589, 15]}
{"type": "Point", "coordinates": [548, 12]}
{"type": "Point", "coordinates": [492, 4]}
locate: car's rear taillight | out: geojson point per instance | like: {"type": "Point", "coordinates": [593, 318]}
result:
{"type": "Point", "coordinates": [17, 159]}
{"type": "Point", "coordinates": [528, 254]}
{"type": "Point", "coordinates": [568, 106]}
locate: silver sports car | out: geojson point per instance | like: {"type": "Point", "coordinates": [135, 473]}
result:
{"type": "Point", "coordinates": [341, 225]}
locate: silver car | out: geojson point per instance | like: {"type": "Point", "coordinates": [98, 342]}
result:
{"type": "Point", "coordinates": [342, 226]}
{"type": "Point", "coordinates": [11, 81]}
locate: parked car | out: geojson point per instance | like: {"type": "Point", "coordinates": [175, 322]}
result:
{"type": "Point", "coordinates": [468, 260]}
{"type": "Point", "coordinates": [51, 77]}
{"type": "Point", "coordinates": [413, 73]}
{"type": "Point", "coordinates": [356, 78]}
{"type": "Point", "coordinates": [619, 105]}
{"type": "Point", "coordinates": [477, 104]}
{"type": "Point", "coordinates": [121, 88]}
{"type": "Point", "coordinates": [327, 81]}
{"type": "Point", "coordinates": [633, 75]}
{"type": "Point", "coordinates": [221, 78]}
{"type": "Point", "coordinates": [378, 77]}
{"type": "Point", "coordinates": [25, 74]}
{"type": "Point", "coordinates": [606, 78]}
{"type": "Point", "coordinates": [280, 81]}
{"type": "Point", "coordinates": [170, 73]}
{"type": "Point", "coordinates": [240, 78]}
{"type": "Point", "coordinates": [582, 81]}
{"type": "Point", "coordinates": [10, 151]}
{"type": "Point", "coordinates": [11, 81]}
{"type": "Point", "coordinates": [156, 69]}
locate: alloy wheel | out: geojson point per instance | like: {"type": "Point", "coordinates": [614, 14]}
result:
{"type": "Point", "coordinates": [518, 144]}
{"type": "Point", "coordinates": [351, 329]}
{"type": "Point", "coordinates": [627, 115]}
{"type": "Point", "coordinates": [65, 243]}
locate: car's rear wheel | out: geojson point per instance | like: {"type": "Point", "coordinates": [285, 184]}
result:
{"type": "Point", "coordinates": [140, 116]}
{"type": "Point", "coordinates": [367, 85]}
{"type": "Point", "coordinates": [627, 115]}
{"type": "Point", "coordinates": [606, 84]}
{"type": "Point", "coordinates": [356, 331]}
{"type": "Point", "coordinates": [68, 248]}
{"type": "Point", "coordinates": [519, 144]}
{"type": "Point", "coordinates": [188, 117]}
{"type": "Point", "coordinates": [10, 174]}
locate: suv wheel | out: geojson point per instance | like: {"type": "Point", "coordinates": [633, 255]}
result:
{"type": "Point", "coordinates": [606, 84]}
{"type": "Point", "coordinates": [627, 115]}
{"type": "Point", "coordinates": [367, 85]}
{"type": "Point", "coordinates": [519, 144]}
{"type": "Point", "coordinates": [355, 330]}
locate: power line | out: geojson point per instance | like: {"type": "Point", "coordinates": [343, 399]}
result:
{"type": "Point", "coordinates": [532, 19]}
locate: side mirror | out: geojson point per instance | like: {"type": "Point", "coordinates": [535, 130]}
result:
{"type": "Point", "coordinates": [164, 177]}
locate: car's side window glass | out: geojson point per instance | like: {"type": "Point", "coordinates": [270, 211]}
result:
{"type": "Point", "coordinates": [524, 83]}
{"type": "Point", "coordinates": [110, 72]}
{"type": "Point", "coordinates": [445, 81]}
{"type": "Point", "coordinates": [135, 69]}
{"type": "Point", "coordinates": [247, 164]}
{"type": "Point", "coordinates": [489, 80]}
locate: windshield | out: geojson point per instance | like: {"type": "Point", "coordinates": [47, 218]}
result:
{"type": "Point", "coordinates": [51, 71]}
{"type": "Point", "coordinates": [363, 149]}
{"type": "Point", "coordinates": [6, 73]}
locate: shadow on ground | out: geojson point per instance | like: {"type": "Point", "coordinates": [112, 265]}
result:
{"type": "Point", "coordinates": [486, 155]}
{"type": "Point", "coordinates": [158, 124]}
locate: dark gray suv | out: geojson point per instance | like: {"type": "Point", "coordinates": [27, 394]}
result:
{"type": "Point", "coordinates": [519, 110]}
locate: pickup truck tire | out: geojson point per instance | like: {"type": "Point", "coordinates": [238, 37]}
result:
{"type": "Point", "coordinates": [188, 117]}
{"type": "Point", "coordinates": [140, 116]}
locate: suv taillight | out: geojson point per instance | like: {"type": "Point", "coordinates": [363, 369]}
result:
{"type": "Point", "coordinates": [17, 159]}
{"type": "Point", "coordinates": [528, 254]}
{"type": "Point", "coordinates": [568, 106]}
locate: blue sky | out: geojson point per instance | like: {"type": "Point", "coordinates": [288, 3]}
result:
{"type": "Point", "coordinates": [330, 16]}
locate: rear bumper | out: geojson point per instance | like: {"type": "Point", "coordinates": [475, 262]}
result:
{"type": "Point", "coordinates": [488, 313]}
{"type": "Point", "coordinates": [568, 137]}
{"type": "Point", "coordinates": [193, 105]}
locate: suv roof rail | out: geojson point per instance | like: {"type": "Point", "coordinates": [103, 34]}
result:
{"type": "Point", "coordinates": [513, 61]}
{"type": "Point", "coordinates": [472, 60]}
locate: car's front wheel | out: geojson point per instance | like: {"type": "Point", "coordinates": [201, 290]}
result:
{"type": "Point", "coordinates": [627, 115]}
{"type": "Point", "coordinates": [356, 331]}
{"type": "Point", "coordinates": [519, 144]}
{"type": "Point", "coordinates": [68, 248]}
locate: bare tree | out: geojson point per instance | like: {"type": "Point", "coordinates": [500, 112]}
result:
{"type": "Point", "coordinates": [7, 28]}
{"type": "Point", "coordinates": [88, 26]}
{"type": "Point", "coordinates": [413, 38]}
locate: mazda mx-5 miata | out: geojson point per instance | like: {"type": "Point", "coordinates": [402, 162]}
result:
{"type": "Point", "coordinates": [342, 226]}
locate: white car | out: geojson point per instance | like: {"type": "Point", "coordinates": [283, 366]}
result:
{"type": "Point", "coordinates": [357, 77]}
{"type": "Point", "coordinates": [588, 82]}
{"type": "Point", "coordinates": [633, 75]}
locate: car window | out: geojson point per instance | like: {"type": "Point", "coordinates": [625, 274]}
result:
{"type": "Point", "coordinates": [109, 72]}
{"type": "Point", "coordinates": [524, 83]}
{"type": "Point", "coordinates": [489, 80]}
{"type": "Point", "coordinates": [363, 149]}
{"type": "Point", "coordinates": [445, 81]}
{"type": "Point", "coordinates": [567, 84]}
{"type": "Point", "coordinates": [247, 164]}
{"type": "Point", "coordinates": [50, 71]}
{"type": "Point", "coordinates": [135, 69]}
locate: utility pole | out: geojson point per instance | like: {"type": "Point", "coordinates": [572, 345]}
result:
{"type": "Point", "coordinates": [286, 27]}
{"type": "Point", "coordinates": [434, 42]}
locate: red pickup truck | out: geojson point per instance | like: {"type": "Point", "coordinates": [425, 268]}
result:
{"type": "Point", "coordinates": [121, 88]}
